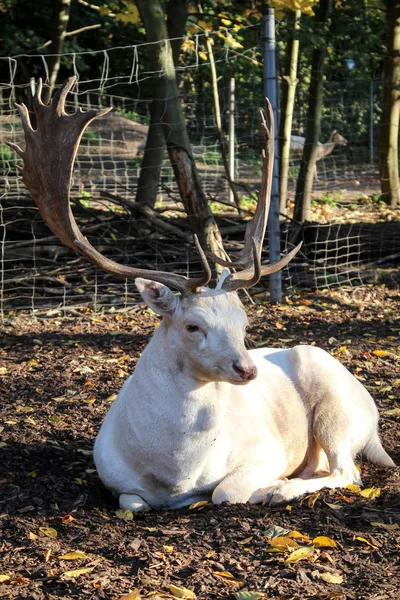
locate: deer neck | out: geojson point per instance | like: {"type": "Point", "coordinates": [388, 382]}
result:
{"type": "Point", "coordinates": [326, 149]}
{"type": "Point", "coordinates": [167, 381]}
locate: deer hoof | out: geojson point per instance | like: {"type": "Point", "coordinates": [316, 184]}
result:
{"type": "Point", "coordinates": [133, 502]}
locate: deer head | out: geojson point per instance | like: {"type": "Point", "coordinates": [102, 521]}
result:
{"type": "Point", "coordinates": [203, 323]}
{"type": "Point", "coordinates": [338, 139]}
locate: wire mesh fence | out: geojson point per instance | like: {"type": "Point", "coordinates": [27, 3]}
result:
{"type": "Point", "coordinates": [37, 273]}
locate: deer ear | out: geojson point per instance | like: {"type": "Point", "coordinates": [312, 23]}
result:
{"type": "Point", "coordinates": [158, 296]}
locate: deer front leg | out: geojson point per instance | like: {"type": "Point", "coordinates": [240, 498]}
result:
{"type": "Point", "coordinates": [245, 483]}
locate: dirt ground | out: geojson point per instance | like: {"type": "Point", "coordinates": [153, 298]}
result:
{"type": "Point", "coordinates": [58, 379]}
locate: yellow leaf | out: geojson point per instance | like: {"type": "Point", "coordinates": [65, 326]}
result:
{"type": "Point", "coordinates": [134, 595]}
{"type": "Point", "coordinates": [300, 554]}
{"type": "Point", "coordinates": [380, 352]}
{"type": "Point", "coordinates": [224, 574]}
{"type": "Point", "coordinates": [331, 578]}
{"type": "Point", "coordinates": [371, 493]}
{"type": "Point", "coordinates": [32, 474]}
{"type": "Point", "coordinates": [203, 55]}
{"type": "Point", "coordinates": [111, 398]}
{"type": "Point", "coordinates": [124, 513]}
{"type": "Point", "coordinates": [283, 541]}
{"type": "Point", "coordinates": [33, 536]}
{"type": "Point", "coordinates": [4, 578]}
{"type": "Point", "coordinates": [76, 573]}
{"type": "Point", "coordinates": [392, 412]}
{"type": "Point", "coordinates": [353, 487]}
{"type": "Point", "coordinates": [205, 25]}
{"type": "Point", "coordinates": [49, 531]}
{"type": "Point", "coordinates": [25, 409]}
{"type": "Point", "coordinates": [226, 22]}
{"type": "Point", "coordinates": [130, 16]}
{"type": "Point", "coordinates": [73, 555]}
{"type": "Point", "coordinates": [182, 592]}
{"type": "Point", "coordinates": [322, 541]}
{"type": "Point", "coordinates": [297, 535]}
{"type": "Point", "coordinates": [245, 541]}
{"type": "Point", "coordinates": [361, 539]}
{"type": "Point", "coordinates": [198, 504]}
{"type": "Point", "coordinates": [168, 549]}
{"type": "Point", "coordinates": [47, 555]}
{"type": "Point", "coordinates": [192, 29]}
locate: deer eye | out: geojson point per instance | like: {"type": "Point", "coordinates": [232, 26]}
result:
{"type": "Point", "coordinates": [192, 328]}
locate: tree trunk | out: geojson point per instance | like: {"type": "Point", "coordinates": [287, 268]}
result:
{"type": "Point", "coordinates": [61, 19]}
{"type": "Point", "coordinates": [287, 104]}
{"type": "Point", "coordinates": [389, 129]}
{"type": "Point", "coordinates": [150, 171]}
{"type": "Point", "coordinates": [175, 133]}
{"type": "Point", "coordinates": [305, 179]}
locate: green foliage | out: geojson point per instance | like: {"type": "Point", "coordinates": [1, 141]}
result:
{"type": "Point", "coordinates": [332, 198]}
{"type": "Point", "coordinates": [6, 154]}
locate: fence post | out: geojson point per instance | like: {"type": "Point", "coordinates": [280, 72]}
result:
{"type": "Point", "coordinates": [231, 136]}
{"type": "Point", "coordinates": [270, 91]}
{"type": "Point", "coordinates": [371, 121]}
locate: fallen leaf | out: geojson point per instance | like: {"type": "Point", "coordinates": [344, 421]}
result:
{"type": "Point", "coordinates": [67, 519]}
{"type": "Point", "coordinates": [245, 541]}
{"type": "Point", "coordinates": [380, 352]}
{"type": "Point", "coordinates": [133, 595]}
{"type": "Point", "coordinates": [73, 555]}
{"type": "Point", "coordinates": [353, 487]}
{"type": "Point", "coordinates": [76, 573]}
{"type": "Point", "coordinates": [274, 531]}
{"type": "Point", "coordinates": [387, 526]}
{"type": "Point", "coordinates": [25, 409]}
{"type": "Point", "coordinates": [334, 506]}
{"type": "Point", "coordinates": [392, 412]}
{"type": "Point", "coordinates": [49, 531]}
{"type": "Point", "coordinates": [111, 398]}
{"type": "Point", "coordinates": [248, 595]}
{"type": "Point", "coordinates": [47, 555]}
{"type": "Point", "coordinates": [198, 504]}
{"type": "Point", "coordinates": [182, 592]}
{"type": "Point", "coordinates": [322, 541]}
{"type": "Point", "coordinates": [300, 554]}
{"type": "Point", "coordinates": [124, 513]}
{"type": "Point", "coordinates": [331, 578]}
{"type": "Point", "coordinates": [168, 549]}
{"type": "Point", "coordinates": [33, 536]}
{"type": "Point", "coordinates": [296, 535]}
{"type": "Point", "coordinates": [284, 542]}
{"type": "Point", "coordinates": [4, 578]}
{"type": "Point", "coordinates": [364, 541]}
{"type": "Point", "coordinates": [224, 574]}
{"type": "Point", "coordinates": [371, 493]}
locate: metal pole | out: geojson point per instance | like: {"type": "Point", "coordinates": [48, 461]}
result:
{"type": "Point", "coordinates": [231, 135]}
{"type": "Point", "coordinates": [371, 121]}
{"type": "Point", "coordinates": [270, 85]}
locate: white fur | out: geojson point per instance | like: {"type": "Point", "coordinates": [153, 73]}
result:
{"type": "Point", "coordinates": [185, 427]}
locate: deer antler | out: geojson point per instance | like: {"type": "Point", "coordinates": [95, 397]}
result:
{"type": "Point", "coordinates": [48, 163]}
{"type": "Point", "coordinates": [249, 258]}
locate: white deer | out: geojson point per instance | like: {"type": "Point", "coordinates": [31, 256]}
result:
{"type": "Point", "coordinates": [297, 147]}
{"type": "Point", "coordinates": [201, 417]}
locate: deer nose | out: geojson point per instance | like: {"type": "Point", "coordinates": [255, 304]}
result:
{"type": "Point", "coordinates": [245, 372]}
